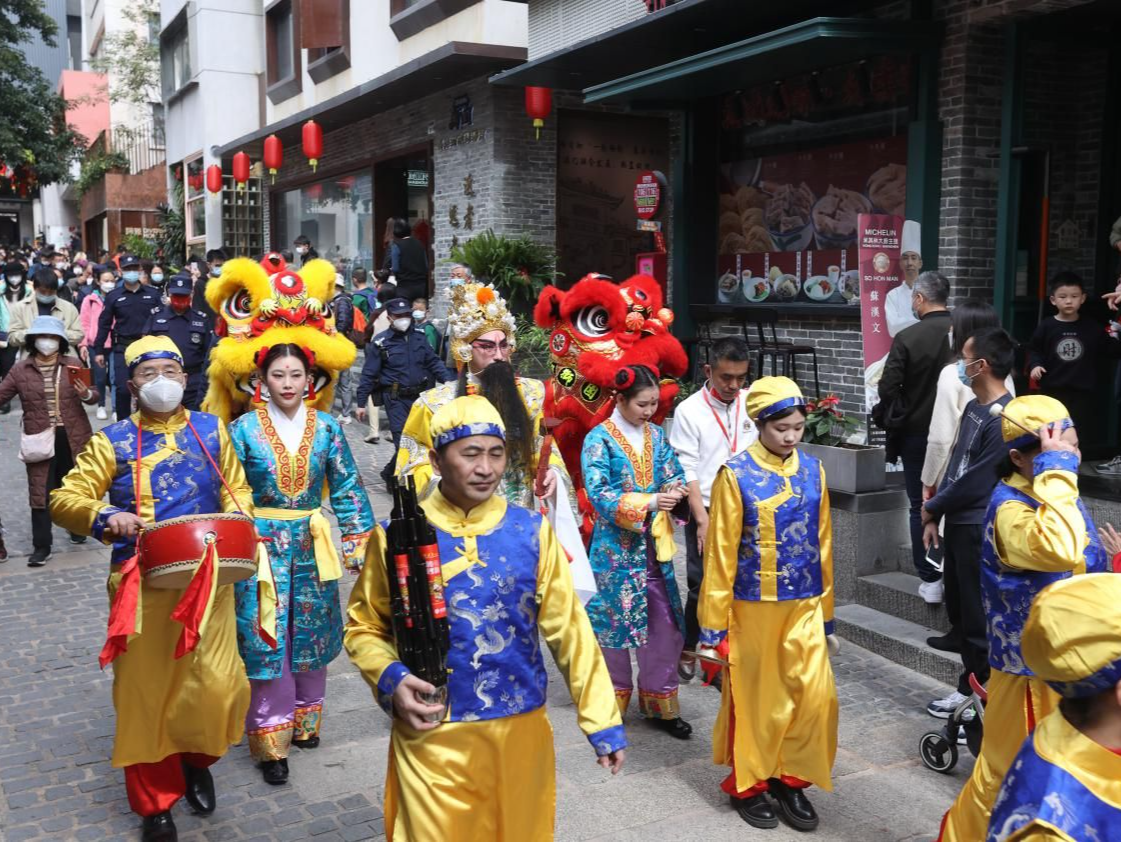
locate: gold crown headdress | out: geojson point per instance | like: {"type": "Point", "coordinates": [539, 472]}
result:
{"type": "Point", "coordinates": [476, 309]}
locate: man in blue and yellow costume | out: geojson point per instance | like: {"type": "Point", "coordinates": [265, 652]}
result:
{"type": "Point", "coordinates": [1037, 532]}
{"type": "Point", "coordinates": [767, 602]}
{"type": "Point", "coordinates": [487, 771]}
{"type": "Point", "coordinates": [1065, 784]}
{"type": "Point", "coordinates": [179, 707]}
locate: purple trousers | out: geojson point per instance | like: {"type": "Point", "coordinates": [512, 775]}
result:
{"type": "Point", "coordinates": [657, 659]}
{"type": "Point", "coordinates": [283, 709]}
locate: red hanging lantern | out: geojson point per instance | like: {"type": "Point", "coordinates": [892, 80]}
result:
{"type": "Point", "coordinates": [195, 180]}
{"type": "Point", "coordinates": [179, 173]}
{"type": "Point", "coordinates": [241, 169]}
{"type": "Point", "coordinates": [274, 155]}
{"type": "Point", "coordinates": [538, 105]}
{"type": "Point", "coordinates": [313, 142]}
{"type": "Point", "coordinates": [214, 178]}
{"type": "Point", "coordinates": [314, 192]}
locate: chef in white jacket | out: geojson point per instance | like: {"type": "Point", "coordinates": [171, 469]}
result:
{"type": "Point", "coordinates": [897, 306]}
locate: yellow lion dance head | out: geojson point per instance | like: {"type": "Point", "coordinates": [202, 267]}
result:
{"type": "Point", "coordinates": [264, 304]}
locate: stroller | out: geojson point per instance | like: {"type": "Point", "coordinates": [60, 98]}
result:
{"type": "Point", "coordinates": [939, 749]}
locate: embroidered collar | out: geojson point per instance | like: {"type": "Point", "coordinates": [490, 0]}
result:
{"type": "Point", "coordinates": [642, 465]}
{"type": "Point", "coordinates": [291, 466]}
{"type": "Point", "coordinates": [1094, 765]}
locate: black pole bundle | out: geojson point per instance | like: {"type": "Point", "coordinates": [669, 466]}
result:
{"type": "Point", "coordinates": [416, 587]}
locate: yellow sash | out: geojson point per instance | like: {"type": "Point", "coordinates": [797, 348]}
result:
{"type": "Point", "coordinates": [326, 558]}
{"type": "Point", "coordinates": [662, 531]}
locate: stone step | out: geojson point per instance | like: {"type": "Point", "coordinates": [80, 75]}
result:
{"type": "Point", "coordinates": [897, 640]}
{"type": "Point", "coordinates": [898, 594]}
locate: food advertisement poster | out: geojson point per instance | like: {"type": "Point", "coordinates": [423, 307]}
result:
{"type": "Point", "coordinates": [878, 265]}
{"type": "Point", "coordinates": [788, 224]}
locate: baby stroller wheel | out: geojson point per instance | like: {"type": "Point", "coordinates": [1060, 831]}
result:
{"type": "Point", "coordinates": [938, 753]}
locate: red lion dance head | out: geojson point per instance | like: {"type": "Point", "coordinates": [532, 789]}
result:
{"type": "Point", "coordinates": [597, 328]}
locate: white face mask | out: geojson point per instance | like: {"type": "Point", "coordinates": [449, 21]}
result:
{"type": "Point", "coordinates": [301, 249]}
{"type": "Point", "coordinates": [46, 345]}
{"type": "Point", "coordinates": [419, 315]}
{"type": "Point", "coordinates": [108, 286]}
{"type": "Point", "coordinates": [402, 324]}
{"type": "Point", "coordinates": [161, 394]}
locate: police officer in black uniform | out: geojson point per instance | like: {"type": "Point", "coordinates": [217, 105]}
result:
{"type": "Point", "coordinates": [191, 330]}
{"type": "Point", "coordinates": [125, 316]}
{"type": "Point", "coordinates": [400, 364]}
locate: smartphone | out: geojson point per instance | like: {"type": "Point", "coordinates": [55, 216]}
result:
{"type": "Point", "coordinates": [79, 377]}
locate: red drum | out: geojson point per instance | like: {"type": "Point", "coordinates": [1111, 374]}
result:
{"type": "Point", "coordinates": [171, 550]}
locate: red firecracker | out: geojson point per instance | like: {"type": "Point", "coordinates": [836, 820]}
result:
{"type": "Point", "coordinates": [313, 142]}
{"type": "Point", "coordinates": [538, 105]}
{"type": "Point", "coordinates": [214, 178]}
{"type": "Point", "coordinates": [274, 155]}
{"type": "Point", "coordinates": [241, 169]}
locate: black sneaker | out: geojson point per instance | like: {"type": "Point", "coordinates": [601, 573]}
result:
{"type": "Point", "coordinates": [77, 539]}
{"type": "Point", "coordinates": [38, 558]}
{"type": "Point", "coordinates": [945, 643]}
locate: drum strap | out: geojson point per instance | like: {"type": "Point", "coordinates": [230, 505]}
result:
{"type": "Point", "coordinates": [214, 465]}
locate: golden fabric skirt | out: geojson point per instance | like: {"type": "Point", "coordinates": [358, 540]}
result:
{"type": "Point", "coordinates": [780, 690]}
{"type": "Point", "coordinates": [166, 706]}
{"type": "Point", "coordinates": [1006, 727]}
{"type": "Point", "coordinates": [491, 781]}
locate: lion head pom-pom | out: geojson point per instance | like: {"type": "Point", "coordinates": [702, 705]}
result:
{"type": "Point", "coordinates": [484, 296]}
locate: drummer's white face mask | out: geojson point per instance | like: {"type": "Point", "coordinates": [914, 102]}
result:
{"type": "Point", "coordinates": [161, 395]}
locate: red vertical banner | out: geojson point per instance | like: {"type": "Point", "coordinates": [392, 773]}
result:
{"type": "Point", "coordinates": [878, 242]}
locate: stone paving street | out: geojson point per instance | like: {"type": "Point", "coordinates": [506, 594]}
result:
{"type": "Point", "coordinates": [56, 732]}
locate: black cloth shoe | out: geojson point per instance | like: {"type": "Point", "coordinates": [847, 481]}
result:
{"type": "Point", "coordinates": [678, 728]}
{"type": "Point", "coordinates": [793, 805]}
{"type": "Point", "coordinates": [160, 828]}
{"type": "Point", "coordinates": [310, 742]}
{"type": "Point", "coordinates": [77, 539]}
{"type": "Point", "coordinates": [38, 558]}
{"type": "Point", "coordinates": [756, 811]}
{"type": "Point", "coordinates": [945, 643]}
{"type": "Point", "coordinates": [200, 790]}
{"type": "Point", "coordinates": [275, 772]}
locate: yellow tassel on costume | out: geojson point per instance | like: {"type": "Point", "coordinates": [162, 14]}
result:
{"type": "Point", "coordinates": [266, 597]}
{"type": "Point", "coordinates": [662, 530]}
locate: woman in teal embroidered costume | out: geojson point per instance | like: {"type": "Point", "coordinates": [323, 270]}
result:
{"type": "Point", "coordinates": [289, 621]}
{"type": "Point", "coordinates": [634, 481]}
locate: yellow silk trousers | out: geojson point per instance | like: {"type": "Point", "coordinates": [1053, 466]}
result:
{"type": "Point", "coordinates": [780, 690]}
{"type": "Point", "coordinates": [1006, 728]}
{"type": "Point", "coordinates": [166, 706]}
{"type": "Point", "coordinates": [491, 781]}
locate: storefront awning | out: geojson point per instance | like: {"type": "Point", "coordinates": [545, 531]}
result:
{"type": "Point", "coordinates": [445, 67]}
{"type": "Point", "coordinates": [806, 46]}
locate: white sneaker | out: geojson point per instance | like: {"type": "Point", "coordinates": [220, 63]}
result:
{"type": "Point", "coordinates": [102, 413]}
{"type": "Point", "coordinates": [345, 419]}
{"type": "Point", "coordinates": [942, 708]}
{"type": "Point", "coordinates": [931, 592]}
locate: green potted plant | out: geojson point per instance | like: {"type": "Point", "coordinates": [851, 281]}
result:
{"type": "Point", "coordinates": [849, 467]}
{"type": "Point", "coordinates": [518, 267]}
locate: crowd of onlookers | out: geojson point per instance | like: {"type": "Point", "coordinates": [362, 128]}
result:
{"type": "Point", "coordinates": [944, 383]}
{"type": "Point", "coordinates": [66, 317]}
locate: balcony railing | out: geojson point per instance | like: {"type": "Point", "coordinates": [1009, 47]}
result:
{"type": "Point", "coordinates": [143, 145]}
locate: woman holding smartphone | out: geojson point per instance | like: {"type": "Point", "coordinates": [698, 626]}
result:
{"type": "Point", "coordinates": [51, 387]}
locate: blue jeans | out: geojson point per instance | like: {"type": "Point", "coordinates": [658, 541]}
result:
{"type": "Point", "coordinates": [913, 453]}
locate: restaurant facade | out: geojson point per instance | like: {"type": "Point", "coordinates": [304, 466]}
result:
{"type": "Point", "coordinates": [993, 124]}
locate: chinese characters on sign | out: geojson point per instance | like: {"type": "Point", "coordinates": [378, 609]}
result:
{"type": "Point", "coordinates": [878, 242]}
{"type": "Point", "coordinates": [463, 113]}
{"type": "Point", "coordinates": [608, 156]}
{"type": "Point", "coordinates": [464, 138]}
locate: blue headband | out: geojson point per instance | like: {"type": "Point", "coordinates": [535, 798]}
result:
{"type": "Point", "coordinates": [155, 355]}
{"type": "Point", "coordinates": [779, 406]}
{"type": "Point", "coordinates": [1099, 682]}
{"type": "Point", "coordinates": [479, 428]}
{"type": "Point", "coordinates": [1020, 442]}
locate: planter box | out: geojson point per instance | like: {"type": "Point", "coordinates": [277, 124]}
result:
{"type": "Point", "coordinates": [853, 468]}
